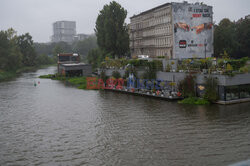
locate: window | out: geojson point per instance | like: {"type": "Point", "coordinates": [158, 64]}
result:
{"type": "Point", "coordinates": [245, 91]}
{"type": "Point", "coordinates": [232, 92]}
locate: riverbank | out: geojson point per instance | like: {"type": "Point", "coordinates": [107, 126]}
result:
{"type": "Point", "coordinates": [79, 82]}
{"type": "Point", "coordinates": [8, 75]}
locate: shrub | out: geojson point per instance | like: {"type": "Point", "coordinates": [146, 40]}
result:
{"type": "Point", "coordinates": [103, 76]}
{"type": "Point", "coordinates": [187, 86]}
{"type": "Point", "coordinates": [211, 87]}
{"type": "Point", "coordinates": [116, 74]}
{"type": "Point", "coordinates": [229, 68]}
{"type": "Point", "coordinates": [130, 70]}
{"type": "Point", "coordinates": [244, 69]}
{"type": "Point", "coordinates": [194, 101]}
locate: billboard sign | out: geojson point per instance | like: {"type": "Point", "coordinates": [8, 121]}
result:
{"type": "Point", "coordinates": [193, 30]}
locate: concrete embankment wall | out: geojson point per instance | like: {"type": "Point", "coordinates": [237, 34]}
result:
{"type": "Point", "coordinates": [223, 80]}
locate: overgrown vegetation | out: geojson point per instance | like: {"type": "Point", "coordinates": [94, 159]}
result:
{"type": "Point", "coordinates": [232, 37]}
{"type": "Point", "coordinates": [79, 82]}
{"type": "Point", "coordinates": [17, 52]}
{"type": "Point", "coordinates": [116, 74]}
{"type": "Point", "coordinates": [211, 90]}
{"type": "Point", "coordinates": [194, 101]}
{"type": "Point", "coordinates": [187, 86]}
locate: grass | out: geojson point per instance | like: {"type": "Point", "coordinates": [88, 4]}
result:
{"type": "Point", "coordinates": [194, 101]}
{"type": "Point", "coordinates": [7, 75]}
{"type": "Point", "coordinates": [79, 82]}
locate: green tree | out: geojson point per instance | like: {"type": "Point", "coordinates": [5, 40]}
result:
{"type": "Point", "coordinates": [187, 86]}
{"type": "Point", "coordinates": [225, 38]}
{"type": "Point", "coordinates": [95, 57]}
{"type": "Point", "coordinates": [10, 55]}
{"type": "Point", "coordinates": [83, 47]}
{"type": "Point", "coordinates": [43, 59]}
{"type": "Point", "coordinates": [211, 85]}
{"type": "Point", "coordinates": [26, 46]}
{"type": "Point", "coordinates": [243, 37]}
{"type": "Point", "coordinates": [111, 30]}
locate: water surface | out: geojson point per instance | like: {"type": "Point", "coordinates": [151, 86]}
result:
{"type": "Point", "coordinates": [56, 124]}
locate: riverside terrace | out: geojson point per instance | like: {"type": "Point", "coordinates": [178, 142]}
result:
{"type": "Point", "coordinates": [232, 87]}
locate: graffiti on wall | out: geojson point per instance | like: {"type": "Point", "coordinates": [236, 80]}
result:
{"type": "Point", "coordinates": [193, 30]}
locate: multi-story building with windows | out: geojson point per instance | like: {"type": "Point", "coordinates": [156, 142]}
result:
{"type": "Point", "coordinates": [64, 31]}
{"type": "Point", "coordinates": [173, 30]}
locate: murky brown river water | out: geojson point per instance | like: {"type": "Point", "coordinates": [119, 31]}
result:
{"type": "Point", "coordinates": [55, 124]}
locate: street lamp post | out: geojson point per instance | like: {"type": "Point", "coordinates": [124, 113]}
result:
{"type": "Point", "coordinates": [205, 45]}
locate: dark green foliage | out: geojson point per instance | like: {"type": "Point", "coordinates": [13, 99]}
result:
{"type": "Point", "coordinates": [151, 69]}
{"type": "Point", "coordinates": [130, 70]}
{"type": "Point", "coordinates": [44, 60]}
{"type": "Point", "coordinates": [25, 44]}
{"type": "Point", "coordinates": [211, 89]}
{"type": "Point", "coordinates": [7, 75]}
{"type": "Point", "coordinates": [237, 63]}
{"type": "Point", "coordinates": [137, 62]}
{"type": "Point", "coordinates": [103, 76]}
{"type": "Point", "coordinates": [187, 86]}
{"type": "Point", "coordinates": [17, 54]}
{"type": "Point", "coordinates": [95, 57]}
{"type": "Point", "coordinates": [194, 101]}
{"type": "Point", "coordinates": [116, 74]}
{"type": "Point", "coordinates": [111, 31]}
{"type": "Point", "coordinates": [243, 37]}
{"type": "Point", "coordinates": [83, 47]}
{"type": "Point", "coordinates": [224, 38]}
{"type": "Point", "coordinates": [79, 82]}
{"type": "Point", "coordinates": [10, 55]}
{"type": "Point", "coordinates": [232, 37]}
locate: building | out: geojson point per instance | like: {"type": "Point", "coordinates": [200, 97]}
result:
{"type": "Point", "coordinates": [69, 65]}
{"type": "Point", "coordinates": [81, 36]}
{"type": "Point", "coordinates": [247, 17]}
{"type": "Point", "coordinates": [173, 30]}
{"type": "Point", "coordinates": [64, 31]}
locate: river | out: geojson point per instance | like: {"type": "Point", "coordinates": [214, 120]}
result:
{"type": "Point", "coordinates": [56, 124]}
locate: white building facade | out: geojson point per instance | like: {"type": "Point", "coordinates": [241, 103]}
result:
{"type": "Point", "coordinates": [173, 30]}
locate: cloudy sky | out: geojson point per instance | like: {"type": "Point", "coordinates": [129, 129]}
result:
{"type": "Point", "coordinates": [37, 16]}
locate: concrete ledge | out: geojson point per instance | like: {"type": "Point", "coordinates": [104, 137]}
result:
{"type": "Point", "coordinates": [233, 101]}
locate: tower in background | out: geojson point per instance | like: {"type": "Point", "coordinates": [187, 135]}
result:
{"type": "Point", "coordinates": [64, 31]}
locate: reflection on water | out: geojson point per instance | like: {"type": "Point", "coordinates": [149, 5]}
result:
{"type": "Point", "coordinates": [55, 124]}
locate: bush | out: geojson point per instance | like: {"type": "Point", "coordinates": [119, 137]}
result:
{"type": "Point", "coordinates": [244, 69]}
{"type": "Point", "coordinates": [130, 70]}
{"type": "Point", "coordinates": [237, 63]}
{"type": "Point", "coordinates": [194, 101]}
{"type": "Point", "coordinates": [211, 85]}
{"type": "Point", "coordinates": [187, 86]}
{"type": "Point", "coordinates": [116, 74]}
{"type": "Point", "coordinates": [103, 76]}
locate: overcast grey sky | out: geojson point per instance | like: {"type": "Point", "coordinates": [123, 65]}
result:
{"type": "Point", "coordinates": [37, 16]}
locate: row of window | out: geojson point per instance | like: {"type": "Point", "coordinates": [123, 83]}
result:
{"type": "Point", "coordinates": [160, 42]}
{"type": "Point", "coordinates": [234, 92]}
{"type": "Point", "coordinates": [163, 30]}
{"type": "Point", "coordinates": [152, 52]}
{"type": "Point", "coordinates": [150, 22]}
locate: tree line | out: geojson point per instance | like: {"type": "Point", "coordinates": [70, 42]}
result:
{"type": "Point", "coordinates": [81, 47]}
{"type": "Point", "coordinates": [18, 51]}
{"type": "Point", "coordinates": [232, 38]}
